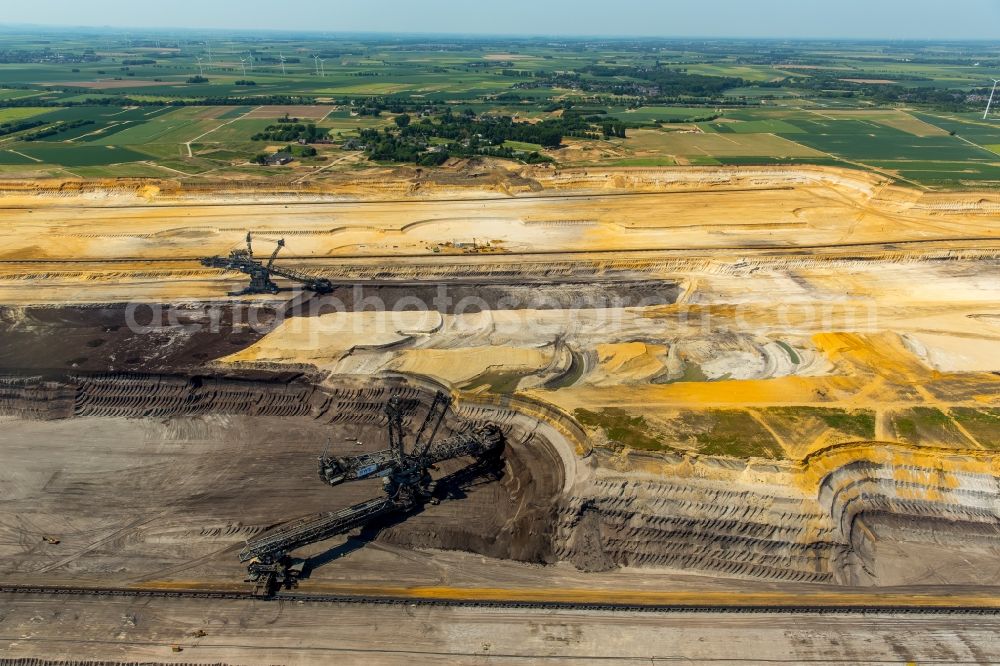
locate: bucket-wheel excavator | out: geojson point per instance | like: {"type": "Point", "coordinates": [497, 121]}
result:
{"type": "Point", "coordinates": [406, 480]}
{"type": "Point", "coordinates": [260, 273]}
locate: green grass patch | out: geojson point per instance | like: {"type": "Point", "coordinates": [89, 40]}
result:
{"type": "Point", "coordinates": [130, 170]}
{"type": "Point", "coordinates": [631, 431]}
{"type": "Point", "coordinates": [983, 424]}
{"type": "Point", "coordinates": [703, 160]}
{"type": "Point", "coordinates": [523, 145]}
{"type": "Point", "coordinates": [730, 433]}
{"type": "Point", "coordinates": [21, 113]}
{"type": "Point", "coordinates": [225, 155]}
{"type": "Point", "coordinates": [860, 423]}
{"type": "Point", "coordinates": [804, 427]}
{"type": "Point", "coordinates": [927, 425]}
{"type": "Point", "coordinates": [192, 165]}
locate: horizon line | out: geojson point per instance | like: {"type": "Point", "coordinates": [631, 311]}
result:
{"type": "Point", "coordinates": [496, 35]}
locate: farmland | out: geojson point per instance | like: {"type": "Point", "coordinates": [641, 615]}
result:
{"type": "Point", "coordinates": [189, 105]}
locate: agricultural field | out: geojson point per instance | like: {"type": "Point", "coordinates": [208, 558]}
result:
{"type": "Point", "coordinates": [695, 144]}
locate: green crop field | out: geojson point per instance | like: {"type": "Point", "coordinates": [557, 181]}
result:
{"type": "Point", "coordinates": [77, 155]}
{"type": "Point", "coordinates": [971, 127]}
{"type": "Point", "coordinates": [11, 156]}
{"type": "Point", "coordinates": [21, 113]}
{"type": "Point", "coordinates": [866, 140]}
{"type": "Point", "coordinates": [768, 126]}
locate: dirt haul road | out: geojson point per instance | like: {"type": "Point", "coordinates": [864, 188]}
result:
{"type": "Point", "coordinates": [241, 632]}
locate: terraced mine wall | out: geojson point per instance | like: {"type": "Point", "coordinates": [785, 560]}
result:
{"type": "Point", "coordinates": [808, 522]}
{"type": "Point", "coordinates": [691, 524]}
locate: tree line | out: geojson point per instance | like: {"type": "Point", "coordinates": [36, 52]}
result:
{"type": "Point", "coordinates": [56, 129]}
{"type": "Point", "coordinates": [290, 132]}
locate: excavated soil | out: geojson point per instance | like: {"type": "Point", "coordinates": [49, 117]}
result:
{"type": "Point", "coordinates": [149, 476]}
{"type": "Point", "coordinates": [845, 328]}
{"type": "Point", "coordinates": [108, 338]}
{"type": "Point", "coordinates": [473, 297]}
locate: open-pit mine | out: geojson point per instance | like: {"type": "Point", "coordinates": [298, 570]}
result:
{"type": "Point", "coordinates": [696, 389]}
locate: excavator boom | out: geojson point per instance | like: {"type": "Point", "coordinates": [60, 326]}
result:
{"type": "Point", "coordinates": [260, 273]}
{"type": "Point", "coordinates": [277, 248]}
{"type": "Point", "coordinates": [314, 528]}
{"type": "Point", "coordinates": [334, 471]}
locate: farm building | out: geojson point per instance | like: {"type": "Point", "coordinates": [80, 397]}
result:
{"type": "Point", "coordinates": [279, 158]}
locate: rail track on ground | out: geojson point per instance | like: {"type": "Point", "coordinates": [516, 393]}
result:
{"type": "Point", "coordinates": [508, 604]}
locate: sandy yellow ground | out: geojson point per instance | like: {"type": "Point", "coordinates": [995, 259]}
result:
{"type": "Point", "coordinates": [624, 210]}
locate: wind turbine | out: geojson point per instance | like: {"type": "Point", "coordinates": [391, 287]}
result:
{"type": "Point", "coordinates": [316, 63]}
{"type": "Point", "coordinates": [322, 67]}
{"type": "Point", "coordinates": [250, 56]}
{"type": "Point", "coordinates": [243, 63]}
{"type": "Point", "coordinates": [282, 59]}
{"type": "Point", "coordinates": [990, 103]}
{"type": "Point", "coordinates": [201, 69]}
{"type": "Point", "coordinates": [209, 47]}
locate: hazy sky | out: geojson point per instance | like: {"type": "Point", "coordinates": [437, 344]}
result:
{"type": "Point", "coordinates": [879, 19]}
